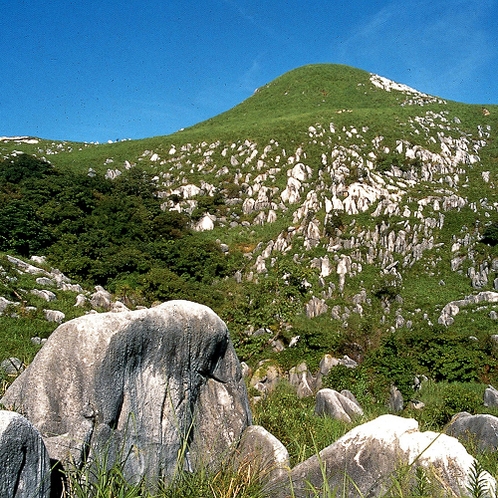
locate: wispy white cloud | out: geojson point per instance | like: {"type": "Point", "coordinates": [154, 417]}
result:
{"type": "Point", "coordinates": [240, 10]}
{"type": "Point", "coordinates": [252, 18]}
{"type": "Point", "coordinates": [434, 45]}
{"type": "Point", "coordinates": [249, 79]}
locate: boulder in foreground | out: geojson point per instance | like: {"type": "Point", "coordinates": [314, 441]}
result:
{"type": "Point", "coordinates": [24, 461]}
{"type": "Point", "coordinates": [384, 453]}
{"type": "Point", "coordinates": [137, 387]}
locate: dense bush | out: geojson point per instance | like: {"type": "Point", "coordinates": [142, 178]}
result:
{"type": "Point", "coordinates": [22, 167]}
{"type": "Point", "coordinates": [490, 234]}
{"type": "Point", "coordinates": [107, 232]}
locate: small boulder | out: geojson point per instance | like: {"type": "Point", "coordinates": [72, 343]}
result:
{"type": "Point", "coordinates": [481, 429]}
{"type": "Point", "coordinates": [264, 453]}
{"type": "Point", "coordinates": [266, 377]}
{"type": "Point", "coordinates": [11, 366]}
{"type": "Point", "coordinates": [101, 299]}
{"type": "Point", "coordinates": [302, 380]}
{"type": "Point", "coordinates": [81, 300]}
{"type": "Point", "coordinates": [118, 307]}
{"type": "Point", "coordinates": [44, 294]}
{"type": "Point", "coordinates": [337, 405]}
{"type": "Point", "coordinates": [47, 282]}
{"type": "Point", "coordinates": [54, 316]}
{"type": "Point", "coordinates": [490, 396]}
{"type": "Point", "coordinates": [4, 304]}
{"type": "Point", "coordinates": [396, 402]}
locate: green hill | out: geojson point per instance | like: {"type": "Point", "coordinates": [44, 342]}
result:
{"type": "Point", "coordinates": [333, 205]}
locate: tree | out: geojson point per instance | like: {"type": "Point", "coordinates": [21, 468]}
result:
{"type": "Point", "coordinates": [21, 230]}
{"type": "Point", "coordinates": [23, 167]}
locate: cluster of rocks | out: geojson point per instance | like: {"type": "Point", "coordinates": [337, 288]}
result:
{"type": "Point", "coordinates": [338, 405]}
{"type": "Point", "coordinates": [268, 181]}
{"type": "Point", "coordinates": [332, 170]}
{"type": "Point", "coordinates": [453, 308]}
{"type": "Point", "coordinates": [161, 390]}
{"type": "Point", "coordinates": [49, 283]}
{"type": "Point", "coordinates": [267, 375]}
{"type": "Point", "coordinates": [54, 280]}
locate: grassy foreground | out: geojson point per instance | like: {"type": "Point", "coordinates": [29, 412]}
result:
{"type": "Point", "coordinates": [293, 421]}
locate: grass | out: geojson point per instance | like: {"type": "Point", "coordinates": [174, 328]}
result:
{"type": "Point", "coordinates": [294, 422]}
{"type": "Point", "coordinates": [283, 110]}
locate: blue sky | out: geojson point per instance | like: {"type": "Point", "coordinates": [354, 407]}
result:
{"type": "Point", "coordinates": [106, 70]}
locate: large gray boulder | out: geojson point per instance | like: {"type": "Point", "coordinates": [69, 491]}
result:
{"type": "Point", "coordinates": [155, 388]}
{"type": "Point", "coordinates": [364, 461]}
{"type": "Point", "coordinates": [481, 430]}
{"type": "Point", "coordinates": [24, 461]}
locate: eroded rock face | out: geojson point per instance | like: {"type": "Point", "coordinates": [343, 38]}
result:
{"type": "Point", "coordinates": [341, 406]}
{"type": "Point", "coordinates": [137, 385]}
{"type": "Point", "coordinates": [491, 397]}
{"type": "Point", "coordinates": [364, 460]}
{"type": "Point", "coordinates": [24, 462]}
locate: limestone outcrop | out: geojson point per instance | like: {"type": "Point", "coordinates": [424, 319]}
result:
{"type": "Point", "coordinates": [481, 429]}
{"type": "Point", "coordinates": [137, 386]}
{"type": "Point", "coordinates": [364, 460]}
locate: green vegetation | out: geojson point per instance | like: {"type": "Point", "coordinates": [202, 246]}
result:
{"type": "Point", "coordinates": [293, 421]}
{"type": "Point", "coordinates": [122, 215]}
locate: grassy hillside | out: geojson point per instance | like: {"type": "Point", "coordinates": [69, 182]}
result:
{"type": "Point", "coordinates": [333, 209]}
{"type": "Point", "coordinates": [343, 208]}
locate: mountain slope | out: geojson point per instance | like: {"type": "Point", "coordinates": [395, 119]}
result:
{"type": "Point", "coordinates": [358, 204]}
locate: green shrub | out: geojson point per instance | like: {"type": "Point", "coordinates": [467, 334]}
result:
{"type": "Point", "coordinates": [23, 167]}
{"type": "Point", "coordinates": [490, 234]}
{"type": "Point", "coordinates": [444, 399]}
{"type": "Point", "coordinates": [392, 364]}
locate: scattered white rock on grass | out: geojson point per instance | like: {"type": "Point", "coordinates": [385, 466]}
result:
{"type": "Point", "coordinates": [54, 316]}
{"type": "Point", "coordinates": [44, 294]}
{"type": "Point", "coordinates": [4, 304]}
{"type": "Point", "coordinates": [101, 298]}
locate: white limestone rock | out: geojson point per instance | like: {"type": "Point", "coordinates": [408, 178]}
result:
{"type": "Point", "coordinates": [135, 383]}
{"type": "Point", "coordinates": [364, 460]}
{"type": "Point", "coordinates": [337, 405]}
